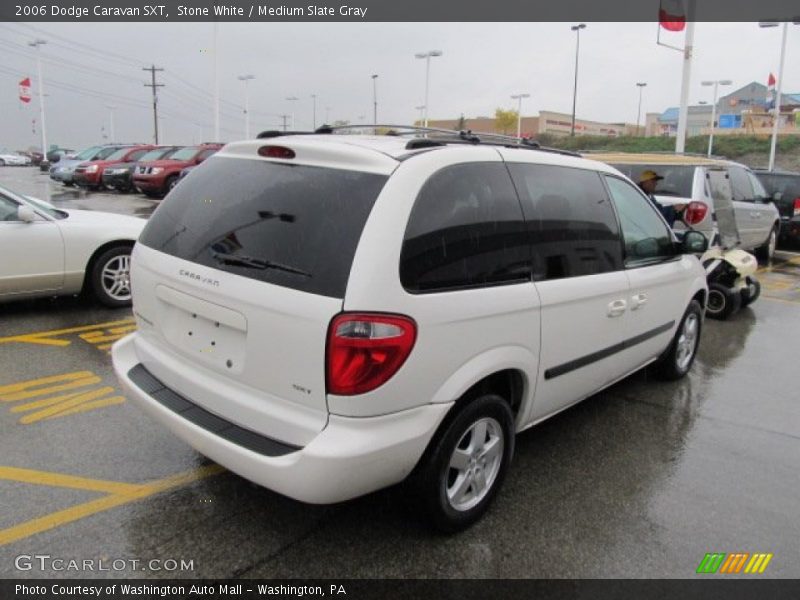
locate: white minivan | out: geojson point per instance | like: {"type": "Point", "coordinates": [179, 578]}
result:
{"type": "Point", "coordinates": [329, 314]}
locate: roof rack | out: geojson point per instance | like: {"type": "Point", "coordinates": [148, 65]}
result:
{"type": "Point", "coordinates": [433, 137]}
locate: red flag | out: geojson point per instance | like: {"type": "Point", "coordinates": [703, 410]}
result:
{"type": "Point", "coordinates": [672, 15]}
{"type": "Point", "coordinates": [25, 90]}
{"type": "Point", "coordinates": [771, 81]}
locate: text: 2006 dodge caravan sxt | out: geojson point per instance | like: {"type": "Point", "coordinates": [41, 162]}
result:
{"type": "Point", "coordinates": [328, 314]}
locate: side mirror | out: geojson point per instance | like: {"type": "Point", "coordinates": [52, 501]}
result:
{"type": "Point", "coordinates": [694, 242]}
{"type": "Point", "coordinates": [26, 214]}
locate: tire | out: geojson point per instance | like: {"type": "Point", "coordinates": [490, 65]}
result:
{"type": "Point", "coordinates": [722, 301]}
{"type": "Point", "coordinates": [452, 497]}
{"type": "Point", "coordinates": [767, 251]}
{"type": "Point", "coordinates": [2, 163]}
{"type": "Point", "coordinates": [170, 183]}
{"type": "Point", "coordinates": [68, 183]}
{"type": "Point", "coordinates": [751, 293]}
{"type": "Point", "coordinates": [110, 277]}
{"type": "Point", "coordinates": [676, 362]}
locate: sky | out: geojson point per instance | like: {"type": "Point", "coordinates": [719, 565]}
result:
{"type": "Point", "coordinates": [88, 67]}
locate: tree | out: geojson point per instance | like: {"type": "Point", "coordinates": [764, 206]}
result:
{"type": "Point", "coordinates": [505, 120]}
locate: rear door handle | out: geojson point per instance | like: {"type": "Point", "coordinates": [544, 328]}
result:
{"type": "Point", "coordinates": [638, 300]}
{"type": "Point", "coordinates": [616, 308]}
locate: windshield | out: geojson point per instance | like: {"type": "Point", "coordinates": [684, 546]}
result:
{"type": "Point", "coordinates": [677, 179]}
{"type": "Point", "coordinates": [88, 154]}
{"type": "Point", "coordinates": [104, 153]}
{"type": "Point", "coordinates": [290, 225]}
{"type": "Point", "coordinates": [119, 154]}
{"type": "Point", "coordinates": [184, 153]}
{"type": "Point", "coordinates": [157, 154]}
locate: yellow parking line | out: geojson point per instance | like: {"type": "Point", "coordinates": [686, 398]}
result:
{"type": "Point", "coordinates": [17, 387]}
{"type": "Point", "coordinates": [40, 337]}
{"type": "Point", "coordinates": [780, 299]}
{"type": "Point", "coordinates": [66, 405]}
{"type": "Point", "coordinates": [68, 481]}
{"type": "Point", "coordinates": [85, 407]}
{"type": "Point", "coordinates": [51, 389]}
{"type": "Point", "coordinates": [131, 493]}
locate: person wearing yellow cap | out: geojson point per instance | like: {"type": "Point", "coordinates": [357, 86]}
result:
{"type": "Point", "coordinates": [648, 181]}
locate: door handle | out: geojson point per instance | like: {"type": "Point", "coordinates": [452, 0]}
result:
{"type": "Point", "coordinates": [616, 308]}
{"type": "Point", "coordinates": [638, 300]}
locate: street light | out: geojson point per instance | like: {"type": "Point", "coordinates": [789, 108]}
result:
{"type": "Point", "coordinates": [716, 85]}
{"type": "Point", "coordinates": [577, 30]}
{"type": "Point", "coordinates": [774, 141]}
{"type": "Point", "coordinates": [427, 56]}
{"type": "Point", "coordinates": [246, 78]}
{"type": "Point", "coordinates": [111, 122]}
{"type": "Point", "coordinates": [641, 85]}
{"type": "Point", "coordinates": [37, 43]}
{"type": "Point", "coordinates": [518, 98]}
{"type": "Point", "coordinates": [374, 100]}
{"type": "Point", "coordinates": [292, 99]}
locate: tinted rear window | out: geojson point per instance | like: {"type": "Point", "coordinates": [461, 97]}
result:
{"type": "Point", "coordinates": [677, 180]}
{"type": "Point", "coordinates": [299, 218]}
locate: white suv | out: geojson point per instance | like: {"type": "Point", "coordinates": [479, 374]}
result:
{"type": "Point", "coordinates": [327, 315]}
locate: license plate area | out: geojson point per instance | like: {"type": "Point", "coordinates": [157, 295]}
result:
{"type": "Point", "coordinates": [209, 333]}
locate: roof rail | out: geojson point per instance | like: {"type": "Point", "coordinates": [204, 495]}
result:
{"type": "Point", "coordinates": [433, 136]}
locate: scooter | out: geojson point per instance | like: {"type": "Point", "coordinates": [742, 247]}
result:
{"type": "Point", "coordinates": [730, 271]}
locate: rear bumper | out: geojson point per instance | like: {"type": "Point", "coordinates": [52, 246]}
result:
{"type": "Point", "coordinates": [350, 457]}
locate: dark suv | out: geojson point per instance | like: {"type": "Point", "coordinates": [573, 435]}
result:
{"type": "Point", "coordinates": [120, 176]}
{"type": "Point", "coordinates": [784, 189]}
{"type": "Point", "coordinates": [157, 177]}
{"type": "Point", "coordinates": [89, 174]}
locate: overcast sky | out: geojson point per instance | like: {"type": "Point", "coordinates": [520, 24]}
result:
{"type": "Point", "coordinates": [482, 65]}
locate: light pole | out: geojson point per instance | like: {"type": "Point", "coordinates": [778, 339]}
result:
{"type": "Point", "coordinates": [291, 99]}
{"type": "Point", "coordinates": [374, 100]}
{"type": "Point", "coordinates": [37, 43]}
{"type": "Point", "coordinates": [518, 98]}
{"type": "Point", "coordinates": [774, 141]}
{"type": "Point", "coordinates": [314, 112]}
{"type": "Point", "coordinates": [427, 56]}
{"type": "Point", "coordinates": [577, 30]}
{"type": "Point", "coordinates": [327, 115]}
{"type": "Point", "coordinates": [216, 84]}
{"type": "Point", "coordinates": [641, 85]}
{"type": "Point", "coordinates": [111, 123]}
{"type": "Point", "coordinates": [716, 85]}
{"type": "Point", "coordinates": [246, 78]}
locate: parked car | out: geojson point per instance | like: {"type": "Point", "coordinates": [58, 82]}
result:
{"type": "Point", "coordinates": [327, 315]}
{"type": "Point", "coordinates": [13, 159]}
{"type": "Point", "coordinates": [56, 155]}
{"type": "Point", "coordinates": [36, 157]}
{"type": "Point", "coordinates": [784, 189]}
{"type": "Point", "coordinates": [64, 170]}
{"type": "Point", "coordinates": [120, 176]}
{"type": "Point", "coordinates": [60, 252]}
{"type": "Point", "coordinates": [156, 178]}
{"type": "Point", "coordinates": [90, 174]}
{"type": "Point", "coordinates": [685, 182]}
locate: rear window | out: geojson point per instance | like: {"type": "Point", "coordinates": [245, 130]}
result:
{"type": "Point", "coordinates": [290, 225]}
{"type": "Point", "coordinates": [677, 180]}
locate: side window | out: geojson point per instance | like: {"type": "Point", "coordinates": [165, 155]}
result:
{"type": "Point", "coordinates": [740, 185]}
{"type": "Point", "coordinates": [465, 230]}
{"type": "Point", "coordinates": [646, 235]}
{"type": "Point", "coordinates": [572, 227]}
{"type": "Point", "coordinates": [8, 209]}
{"type": "Point", "coordinates": [759, 193]}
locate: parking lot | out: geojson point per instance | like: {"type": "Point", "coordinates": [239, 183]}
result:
{"type": "Point", "coordinates": [641, 480]}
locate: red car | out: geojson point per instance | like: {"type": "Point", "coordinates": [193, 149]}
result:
{"type": "Point", "coordinates": [90, 174]}
{"type": "Point", "coordinates": [156, 178]}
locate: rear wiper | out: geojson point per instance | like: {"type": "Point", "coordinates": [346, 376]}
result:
{"type": "Point", "coordinates": [256, 263]}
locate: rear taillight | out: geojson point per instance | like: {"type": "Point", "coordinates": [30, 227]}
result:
{"type": "Point", "coordinates": [695, 212]}
{"type": "Point", "coordinates": [366, 350]}
{"type": "Point", "coordinates": [796, 207]}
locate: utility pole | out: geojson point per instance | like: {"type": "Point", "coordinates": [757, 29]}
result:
{"type": "Point", "coordinates": [374, 100]}
{"type": "Point", "coordinates": [154, 85]}
{"type": "Point", "coordinates": [216, 84]}
{"type": "Point", "coordinates": [285, 118]}
{"type": "Point", "coordinates": [112, 137]}
{"type": "Point", "coordinates": [314, 119]}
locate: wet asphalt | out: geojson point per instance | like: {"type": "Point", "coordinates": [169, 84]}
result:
{"type": "Point", "coordinates": [641, 480]}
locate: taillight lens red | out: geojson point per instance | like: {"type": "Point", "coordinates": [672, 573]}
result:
{"type": "Point", "coordinates": [365, 350]}
{"type": "Point", "coordinates": [796, 207]}
{"type": "Point", "coordinates": [695, 212]}
{"type": "Point", "coordinates": [276, 152]}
